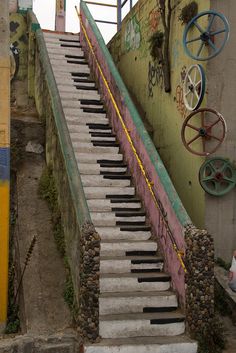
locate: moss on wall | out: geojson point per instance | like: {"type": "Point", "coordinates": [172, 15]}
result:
{"type": "Point", "coordinates": [164, 112]}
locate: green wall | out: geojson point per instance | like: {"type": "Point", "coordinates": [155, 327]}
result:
{"type": "Point", "coordinates": [165, 112]}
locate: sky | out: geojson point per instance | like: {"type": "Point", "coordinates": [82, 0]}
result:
{"type": "Point", "coordinates": [47, 18]}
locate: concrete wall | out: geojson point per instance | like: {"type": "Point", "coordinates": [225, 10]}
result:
{"type": "Point", "coordinates": [164, 111]}
{"type": "Point", "coordinates": [220, 213]}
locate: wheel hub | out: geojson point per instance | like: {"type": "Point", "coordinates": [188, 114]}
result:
{"type": "Point", "coordinates": [205, 37]}
{"type": "Point", "coordinates": [218, 176]}
{"type": "Point", "coordinates": [202, 132]}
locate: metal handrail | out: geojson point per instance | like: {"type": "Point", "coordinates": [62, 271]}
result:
{"type": "Point", "coordinates": [118, 6]}
{"type": "Point", "coordinates": [149, 183]}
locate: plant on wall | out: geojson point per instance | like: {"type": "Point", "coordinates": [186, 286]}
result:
{"type": "Point", "coordinates": [188, 12]}
{"type": "Point", "coordinates": [165, 11]}
{"type": "Point", "coordinates": [156, 43]}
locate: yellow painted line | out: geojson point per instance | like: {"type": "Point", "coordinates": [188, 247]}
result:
{"type": "Point", "coordinates": [4, 252]}
{"type": "Point", "coordinates": [148, 182]}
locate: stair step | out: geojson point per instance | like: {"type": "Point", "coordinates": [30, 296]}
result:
{"type": "Point", "coordinates": [91, 102]}
{"type": "Point", "coordinates": [99, 180]}
{"type": "Point", "coordinates": [77, 121]}
{"type": "Point", "coordinates": [96, 192]}
{"type": "Point", "coordinates": [175, 344]}
{"type": "Point", "coordinates": [110, 219]}
{"type": "Point", "coordinates": [145, 324]}
{"type": "Point", "coordinates": [95, 169]}
{"type": "Point", "coordinates": [127, 264]}
{"type": "Point", "coordinates": [89, 147]}
{"type": "Point", "coordinates": [122, 247]}
{"type": "Point", "coordinates": [87, 136]}
{"type": "Point", "coordinates": [75, 57]}
{"type": "Point", "coordinates": [85, 129]}
{"type": "Point", "coordinates": [75, 112]}
{"type": "Point", "coordinates": [110, 233]}
{"type": "Point", "coordinates": [126, 282]}
{"type": "Point", "coordinates": [94, 158]}
{"type": "Point", "coordinates": [105, 205]}
{"type": "Point", "coordinates": [136, 302]}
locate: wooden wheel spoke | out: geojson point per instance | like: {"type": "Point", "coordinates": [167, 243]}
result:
{"type": "Point", "coordinates": [213, 124]}
{"type": "Point", "coordinates": [218, 32]}
{"type": "Point", "coordinates": [193, 139]}
{"type": "Point", "coordinates": [198, 27]}
{"type": "Point", "coordinates": [200, 49]}
{"type": "Point", "coordinates": [211, 23]}
{"type": "Point", "coordinates": [214, 137]}
{"type": "Point", "coordinates": [212, 45]}
{"type": "Point", "coordinates": [193, 40]}
{"type": "Point", "coordinates": [192, 127]}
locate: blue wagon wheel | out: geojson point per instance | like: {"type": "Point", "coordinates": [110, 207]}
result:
{"type": "Point", "coordinates": [194, 87]}
{"type": "Point", "coordinates": [217, 176]}
{"type": "Point", "coordinates": [212, 36]}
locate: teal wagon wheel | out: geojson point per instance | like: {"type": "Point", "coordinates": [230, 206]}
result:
{"type": "Point", "coordinates": [211, 36]}
{"type": "Point", "coordinates": [217, 176]}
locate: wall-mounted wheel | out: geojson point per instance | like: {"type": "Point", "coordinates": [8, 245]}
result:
{"type": "Point", "coordinates": [217, 176]}
{"type": "Point", "coordinates": [194, 87]}
{"type": "Point", "coordinates": [206, 35]}
{"type": "Point", "coordinates": [209, 129]}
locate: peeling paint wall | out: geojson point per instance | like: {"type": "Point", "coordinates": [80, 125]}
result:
{"type": "Point", "coordinates": [165, 112]}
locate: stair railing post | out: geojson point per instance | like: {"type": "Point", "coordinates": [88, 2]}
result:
{"type": "Point", "coordinates": [118, 15]}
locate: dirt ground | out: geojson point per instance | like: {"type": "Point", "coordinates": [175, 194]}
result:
{"type": "Point", "coordinates": [45, 310]}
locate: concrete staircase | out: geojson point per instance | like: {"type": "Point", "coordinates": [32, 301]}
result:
{"type": "Point", "coordinates": [138, 310]}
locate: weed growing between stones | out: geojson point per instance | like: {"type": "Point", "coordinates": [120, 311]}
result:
{"type": "Point", "coordinates": [47, 191]}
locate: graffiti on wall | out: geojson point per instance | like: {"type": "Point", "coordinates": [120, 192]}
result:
{"type": "Point", "coordinates": [179, 94]}
{"type": "Point", "coordinates": [132, 34]}
{"type": "Point", "coordinates": [154, 19]}
{"type": "Point", "coordinates": [155, 77]}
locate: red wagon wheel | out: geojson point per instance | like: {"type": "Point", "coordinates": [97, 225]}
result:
{"type": "Point", "coordinates": [209, 126]}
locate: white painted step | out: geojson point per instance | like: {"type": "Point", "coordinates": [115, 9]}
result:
{"type": "Point", "coordinates": [120, 247]}
{"type": "Point", "coordinates": [95, 169]}
{"type": "Point", "coordinates": [87, 147]}
{"type": "Point", "coordinates": [87, 137]}
{"type": "Point", "coordinates": [135, 302]}
{"type": "Point", "coordinates": [105, 205]}
{"type": "Point", "coordinates": [110, 219]}
{"type": "Point", "coordinates": [96, 192]}
{"type": "Point", "coordinates": [99, 180]}
{"type": "Point", "coordinates": [56, 35]}
{"type": "Point", "coordinates": [177, 344]}
{"type": "Point", "coordinates": [73, 121]}
{"type": "Point", "coordinates": [60, 56]}
{"type": "Point", "coordinates": [124, 264]}
{"type": "Point", "coordinates": [94, 158]}
{"type": "Point", "coordinates": [84, 130]}
{"type": "Point", "coordinates": [109, 233]}
{"type": "Point", "coordinates": [80, 112]}
{"type": "Point", "coordinates": [139, 324]}
{"type": "Point", "coordinates": [63, 50]}
{"type": "Point", "coordinates": [133, 282]}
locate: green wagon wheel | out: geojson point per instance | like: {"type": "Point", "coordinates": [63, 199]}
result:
{"type": "Point", "coordinates": [217, 176]}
